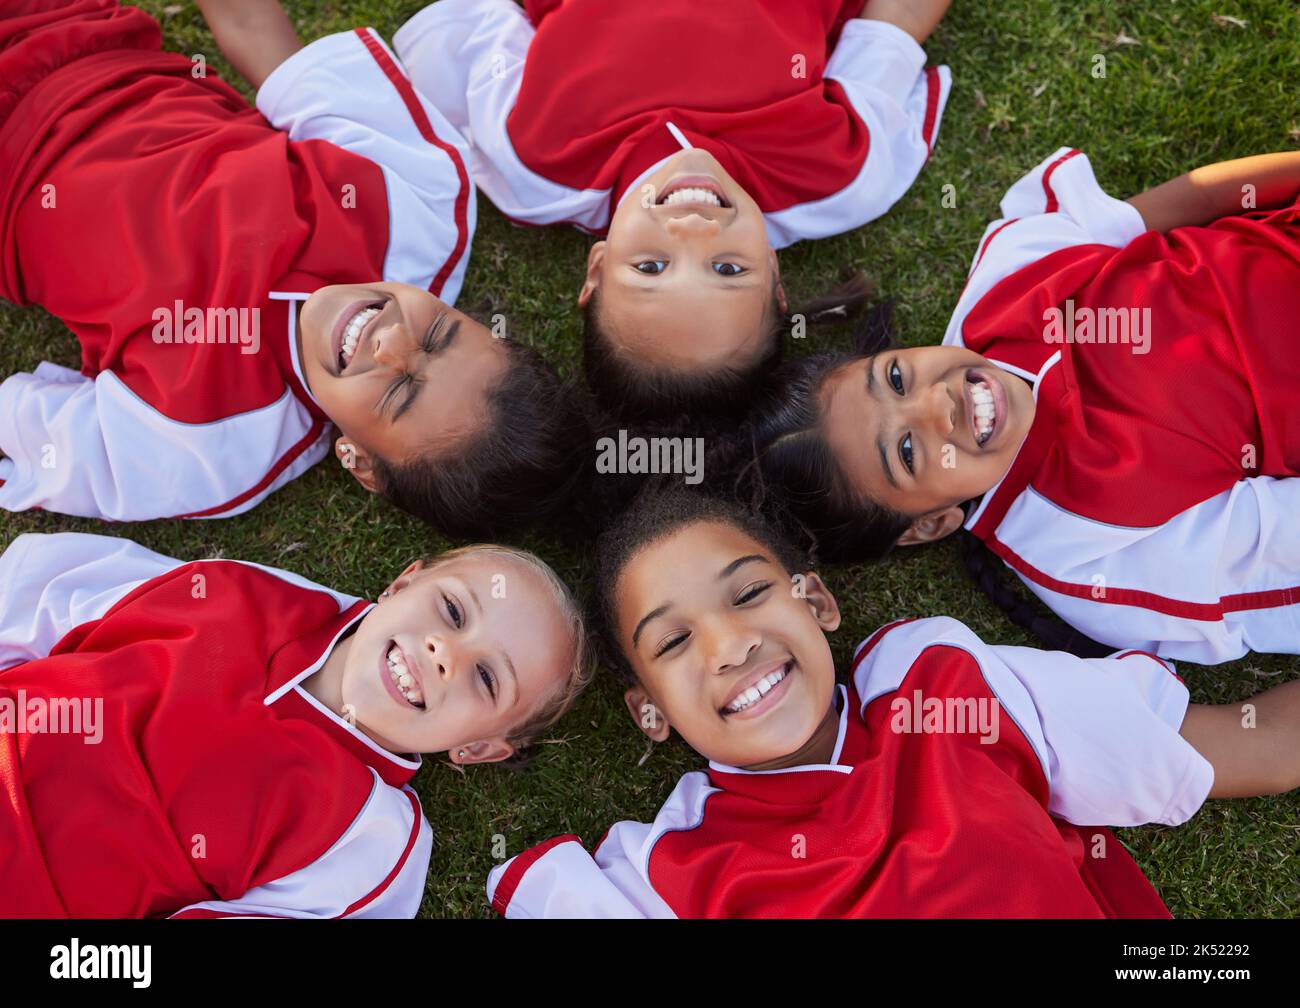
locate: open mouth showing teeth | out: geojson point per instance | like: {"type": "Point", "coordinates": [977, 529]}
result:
{"type": "Point", "coordinates": [759, 690]}
{"type": "Point", "coordinates": [352, 334]}
{"type": "Point", "coordinates": [985, 412]}
{"type": "Point", "coordinates": [692, 194]}
{"type": "Point", "coordinates": [403, 680]}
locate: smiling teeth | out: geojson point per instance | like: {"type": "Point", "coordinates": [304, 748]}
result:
{"type": "Point", "coordinates": [402, 678]}
{"type": "Point", "coordinates": [690, 194]}
{"type": "Point", "coordinates": [352, 334]}
{"type": "Point", "coordinates": [982, 396]}
{"type": "Point", "coordinates": [756, 692]}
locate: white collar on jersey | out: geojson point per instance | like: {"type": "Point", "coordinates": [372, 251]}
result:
{"type": "Point", "coordinates": [293, 339]}
{"type": "Point", "coordinates": [685, 144]}
{"type": "Point", "coordinates": [295, 684]}
{"type": "Point", "coordinates": [842, 695]}
{"type": "Point", "coordinates": [1035, 383]}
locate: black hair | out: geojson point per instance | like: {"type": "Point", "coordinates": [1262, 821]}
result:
{"type": "Point", "coordinates": [659, 510]}
{"type": "Point", "coordinates": [793, 460]}
{"type": "Point", "coordinates": [990, 574]}
{"type": "Point", "coordinates": [523, 468]}
{"type": "Point", "coordinates": [633, 392]}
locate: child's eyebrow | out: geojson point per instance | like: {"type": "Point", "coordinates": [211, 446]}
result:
{"type": "Point", "coordinates": [514, 676]}
{"type": "Point", "coordinates": [723, 574]}
{"type": "Point", "coordinates": [652, 615]}
{"type": "Point", "coordinates": [873, 392]}
{"type": "Point", "coordinates": [505, 656]}
{"type": "Point", "coordinates": [735, 565]}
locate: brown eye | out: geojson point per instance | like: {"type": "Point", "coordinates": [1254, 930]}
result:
{"type": "Point", "coordinates": [895, 376]}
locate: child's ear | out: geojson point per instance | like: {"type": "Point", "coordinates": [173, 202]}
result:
{"type": "Point", "coordinates": [781, 300]}
{"type": "Point", "coordinates": [483, 751]}
{"type": "Point", "coordinates": [356, 461]}
{"type": "Point", "coordinates": [646, 713]}
{"type": "Point", "coordinates": [826, 611]}
{"type": "Point", "coordinates": [403, 579]}
{"type": "Point", "coordinates": [595, 262]}
{"type": "Point", "coordinates": [933, 527]}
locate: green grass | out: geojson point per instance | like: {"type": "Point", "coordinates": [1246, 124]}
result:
{"type": "Point", "coordinates": [1189, 92]}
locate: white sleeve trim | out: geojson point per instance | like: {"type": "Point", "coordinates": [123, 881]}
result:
{"type": "Point", "coordinates": [467, 57]}
{"type": "Point", "coordinates": [369, 872]}
{"type": "Point", "coordinates": [339, 89]}
{"type": "Point", "coordinates": [1106, 731]}
{"type": "Point", "coordinates": [52, 583]}
{"type": "Point", "coordinates": [94, 449]}
{"type": "Point", "coordinates": [567, 883]}
{"type": "Point", "coordinates": [882, 71]}
{"type": "Point", "coordinates": [1192, 571]}
{"type": "Point", "coordinates": [1057, 205]}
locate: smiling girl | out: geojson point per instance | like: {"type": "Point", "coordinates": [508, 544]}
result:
{"type": "Point", "coordinates": [699, 139]}
{"type": "Point", "coordinates": [828, 800]}
{"type": "Point", "coordinates": [144, 202]}
{"type": "Point", "coordinates": [259, 731]}
{"type": "Point", "coordinates": [1113, 412]}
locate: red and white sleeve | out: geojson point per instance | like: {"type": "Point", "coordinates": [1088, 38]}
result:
{"type": "Point", "coordinates": [1106, 730]}
{"type": "Point", "coordinates": [376, 869]}
{"type": "Point", "coordinates": [93, 448]}
{"type": "Point", "coordinates": [53, 583]}
{"type": "Point", "coordinates": [559, 879]}
{"type": "Point", "coordinates": [350, 90]}
{"type": "Point", "coordinates": [467, 57]}
{"type": "Point", "coordinates": [900, 101]}
{"type": "Point", "coordinates": [1057, 205]}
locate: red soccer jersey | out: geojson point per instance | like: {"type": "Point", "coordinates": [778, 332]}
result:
{"type": "Point", "coordinates": [569, 104]}
{"type": "Point", "coordinates": [176, 231]}
{"type": "Point", "coordinates": [961, 785]}
{"type": "Point", "coordinates": [1151, 503]}
{"type": "Point", "coordinates": [159, 754]}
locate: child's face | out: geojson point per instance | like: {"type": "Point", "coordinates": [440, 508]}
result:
{"type": "Point", "coordinates": [686, 276]}
{"type": "Point", "coordinates": [400, 372]}
{"type": "Point", "coordinates": [483, 642]}
{"type": "Point", "coordinates": [706, 615]}
{"type": "Point", "coordinates": [912, 429]}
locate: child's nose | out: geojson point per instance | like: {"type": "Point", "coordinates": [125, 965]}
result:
{"type": "Point", "coordinates": [729, 646]}
{"type": "Point", "coordinates": [940, 411]}
{"type": "Point", "coordinates": [692, 225]}
{"type": "Point", "coordinates": [392, 346]}
{"type": "Point", "coordinates": [440, 657]}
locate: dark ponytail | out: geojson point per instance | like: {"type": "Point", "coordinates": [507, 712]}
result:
{"type": "Point", "coordinates": [844, 303]}
{"type": "Point", "coordinates": [990, 574]}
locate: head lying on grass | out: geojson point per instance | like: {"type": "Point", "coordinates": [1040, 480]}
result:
{"type": "Point", "coordinates": [701, 620]}
{"type": "Point", "coordinates": [473, 434]}
{"type": "Point", "coordinates": [474, 653]}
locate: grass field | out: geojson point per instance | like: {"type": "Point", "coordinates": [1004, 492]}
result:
{"type": "Point", "coordinates": [1182, 87]}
